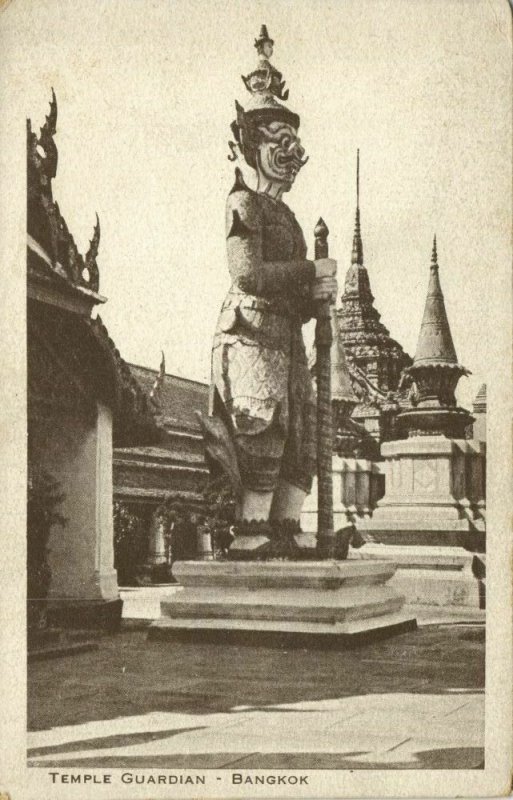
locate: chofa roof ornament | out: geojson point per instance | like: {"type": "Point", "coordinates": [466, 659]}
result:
{"type": "Point", "coordinates": [45, 224]}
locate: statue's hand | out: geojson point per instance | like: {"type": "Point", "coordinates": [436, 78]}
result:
{"type": "Point", "coordinates": [325, 268]}
{"type": "Point", "coordinates": [325, 289]}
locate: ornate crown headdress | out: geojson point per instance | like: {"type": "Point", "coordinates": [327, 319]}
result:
{"type": "Point", "coordinates": [265, 85]}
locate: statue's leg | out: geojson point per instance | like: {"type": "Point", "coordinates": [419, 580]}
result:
{"type": "Point", "coordinates": [252, 531]}
{"type": "Point", "coordinates": [251, 385]}
{"type": "Point", "coordinates": [259, 469]}
{"type": "Point", "coordinates": [255, 505]}
{"type": "Point", "coordinates": [297, 468]}
{"type": "Point", "coordinates": [287, 501]}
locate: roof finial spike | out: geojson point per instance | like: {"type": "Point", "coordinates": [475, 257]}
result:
{"type": "Point", "coordinates": [434, 255]}
{"type": "Point", "coordinates": [358, 178]}
{"type": "Point", "coordinates": [357, 254]}
{"type": "Point", "coordinates": [94, 243]}
{"type": "Point", "coordinates": [156, 391]}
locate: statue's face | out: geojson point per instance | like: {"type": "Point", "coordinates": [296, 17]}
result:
{"type": "Point", "coordinates": [280, 155]}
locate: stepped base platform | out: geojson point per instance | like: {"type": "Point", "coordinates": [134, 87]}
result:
{"type": "Point", "coordinates": [432, 576]}
{"type": "Point", "coordinates": [283, 603]}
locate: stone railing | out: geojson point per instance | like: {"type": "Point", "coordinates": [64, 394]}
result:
{"type": "Point", "coordinates": [358, 484]}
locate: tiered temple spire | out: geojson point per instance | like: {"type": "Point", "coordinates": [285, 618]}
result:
{"type": "Point", "coordinates": [369, 348]}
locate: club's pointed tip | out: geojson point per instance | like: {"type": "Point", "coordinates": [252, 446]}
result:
{"type": "Point", "coordinates": [321, 229]}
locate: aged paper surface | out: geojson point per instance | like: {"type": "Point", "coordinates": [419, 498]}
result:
{"type": "Point", "coordinates": [145, 94]}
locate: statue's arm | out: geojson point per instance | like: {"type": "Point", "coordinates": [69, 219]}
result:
{"type": "Point", "coordinates": [248, 269]}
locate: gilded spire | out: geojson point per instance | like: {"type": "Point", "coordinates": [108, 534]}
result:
{"type": "Point", "coordinates": [435, 343]}
{"type": "Point", "coordinates": [357, 254]}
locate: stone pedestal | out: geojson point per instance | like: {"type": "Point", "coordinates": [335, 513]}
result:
{"type": "Point", "coordinates": [431, 576]}
{"type": "Point", "coordinates": [435, 493]}
{"type": "Point", "coordinates": [283, 603]}
{"type": "Point", "coordinates": [431, 517]}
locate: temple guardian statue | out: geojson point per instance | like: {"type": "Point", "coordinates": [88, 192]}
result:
{"type": "Point", "coordinates": [261, 429]}
{"type": "Point", "coordinates": [267, 430]}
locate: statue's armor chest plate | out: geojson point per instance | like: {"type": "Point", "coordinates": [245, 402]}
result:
{"type": "Point", "coordinates": [282, 237]}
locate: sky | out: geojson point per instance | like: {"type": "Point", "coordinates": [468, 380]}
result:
{"type": "Point", "coordinates": [146, 91]}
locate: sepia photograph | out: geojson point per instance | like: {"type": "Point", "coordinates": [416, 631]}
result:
{"type": "Point", "coordinates": [257, 396]}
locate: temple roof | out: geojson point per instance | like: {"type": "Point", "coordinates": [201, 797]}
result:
{"type": "Point", "coordinates": [435, 345]}
{"type": "Point", "coordinates": [179, 398]}
{"type": "Point", "coordinates": [134, 419]}
{"type": "Point", "coordinates": [62, 288]}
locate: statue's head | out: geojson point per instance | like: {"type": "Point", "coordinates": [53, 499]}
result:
{"type": "Point", "coordinates": [269, 142]}
{"type": "Point", "coordinates": [279, 156]}
{"type": "Point", "coordinates": [266, 132]}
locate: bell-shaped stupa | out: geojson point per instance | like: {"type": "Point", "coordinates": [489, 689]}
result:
{"type": "Point", "coordinates": [435, 371]}
{"type": "Point", "coordinates": [435, 345]}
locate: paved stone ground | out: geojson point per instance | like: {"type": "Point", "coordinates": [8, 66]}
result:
{"type": "Point", "coordinates": [413, 701]}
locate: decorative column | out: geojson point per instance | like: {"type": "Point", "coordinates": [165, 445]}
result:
{"type": "Point", "coordinates": [204, 543]}
{"type": "Point", "coordinates": [156, 561]}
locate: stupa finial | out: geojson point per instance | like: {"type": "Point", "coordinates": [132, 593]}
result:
{"type": "Point", "coordinates": [358, 178]}
{"type": "Point", "coordinates": [434, 255]}
{"type": "Point", "coordinates": [357, 254]}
